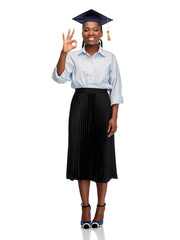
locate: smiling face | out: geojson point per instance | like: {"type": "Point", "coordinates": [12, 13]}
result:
{"type": "Point", "coordinates": [91, 33]}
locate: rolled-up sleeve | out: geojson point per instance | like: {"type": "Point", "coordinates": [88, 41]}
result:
{"type": "Point", "coordinates": [67, 73]}
{"type": "Point", "coordinates": [115, 78]}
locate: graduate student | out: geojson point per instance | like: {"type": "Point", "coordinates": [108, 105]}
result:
{"type": "Point", "coordinates": [95, 76]}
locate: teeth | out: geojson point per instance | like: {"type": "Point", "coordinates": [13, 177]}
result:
{"type": "Point", "coordinates": [91, 38]}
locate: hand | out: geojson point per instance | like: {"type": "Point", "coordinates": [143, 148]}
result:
{"type": "Point", "coordinates": [67, 43]}
{"type": "Point", "coordinates": [112, 126]}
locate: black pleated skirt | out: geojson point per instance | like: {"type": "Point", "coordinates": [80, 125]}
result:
{"type": "Point", "coordinates": [91, 153]}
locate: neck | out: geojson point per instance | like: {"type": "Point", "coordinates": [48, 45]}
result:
{"type": "Point", "coordinates": [92, 48]}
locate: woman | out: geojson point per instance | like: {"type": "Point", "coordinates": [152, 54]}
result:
{"type": "Point", "coordinates": [93, 114]}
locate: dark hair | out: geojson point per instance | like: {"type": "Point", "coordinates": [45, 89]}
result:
{"type": "Point", "coordinates": [101, 42]}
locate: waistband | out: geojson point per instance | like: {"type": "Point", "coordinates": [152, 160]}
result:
{"type": "Point", "coordinates": [93, 90]}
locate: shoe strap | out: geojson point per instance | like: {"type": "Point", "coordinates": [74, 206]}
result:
{"type": "Point", "coordinates": [86, 205]}
{"type": "Point", "coordinates": [101, 205]}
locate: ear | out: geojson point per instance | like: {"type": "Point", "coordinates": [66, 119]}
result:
{"type": "Point", "coordinates": [101, 33]}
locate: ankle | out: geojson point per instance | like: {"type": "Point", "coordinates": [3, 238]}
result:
{"type": "Point", "coordinates": [101, 203]}
{"type": "Point", "coordinates": [84, 203]}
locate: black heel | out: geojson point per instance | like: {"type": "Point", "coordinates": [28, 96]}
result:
{"type": "Point", "coordinates": [96, 224]}
{"type": "Point", "coordinates": [86, 224]}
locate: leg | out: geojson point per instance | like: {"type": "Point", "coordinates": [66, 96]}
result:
{"type": "Point", "coordinates": [84, 193]}
{"type": "Point", "coordinates": [101, 190]}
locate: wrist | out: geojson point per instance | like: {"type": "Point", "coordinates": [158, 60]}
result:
{"type": "Point", "coordinates": [114, 116]}
{"type": "Point", "coordinates": [63, 52]}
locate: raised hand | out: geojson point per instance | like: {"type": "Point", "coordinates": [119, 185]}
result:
{"type": "Point", "coordinates": [67, 43]}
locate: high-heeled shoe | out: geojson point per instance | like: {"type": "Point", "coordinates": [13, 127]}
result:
{"type": "Point", "coordinates": [96, 224]}
{"type": "Point", "coordinates": [86, 224]}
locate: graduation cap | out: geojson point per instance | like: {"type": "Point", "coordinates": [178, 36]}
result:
{"type": "Point", "coordinates": [93, 16]}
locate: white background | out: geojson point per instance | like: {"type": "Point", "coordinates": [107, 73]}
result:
{"type": "Point", "coordinates": [37, 201]}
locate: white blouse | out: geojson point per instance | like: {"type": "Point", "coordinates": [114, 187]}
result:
{"type": "Point", "coordinates": [99, 71]}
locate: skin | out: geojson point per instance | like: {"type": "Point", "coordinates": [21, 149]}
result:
{"type": "Point", "coordinates": [90, 29]}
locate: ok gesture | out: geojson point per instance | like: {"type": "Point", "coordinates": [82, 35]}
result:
{"type": "Point", "coordinates": [67, 43]}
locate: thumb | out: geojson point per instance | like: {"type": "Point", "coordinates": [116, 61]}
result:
{"type": "Point", "coordinates": [75, 42]}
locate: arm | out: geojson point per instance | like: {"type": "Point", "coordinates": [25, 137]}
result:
{"type": "Point", "coordinates": [115, 96]}
{"type": "Point", "coordinates": [112, 127]}
{"type": "Point", "coordinates": [115, 79]}
{"type": "Point", "coordinates": [61, 63]}
{"type": "Point", "coordinates": [63, 70]}
{"type": "Point", "coordinates": [115, 110]}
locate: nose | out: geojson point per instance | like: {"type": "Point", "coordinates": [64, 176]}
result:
{"type": "Point", "coordinates": [90, 32]}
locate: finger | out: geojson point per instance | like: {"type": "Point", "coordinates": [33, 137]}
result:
{"type": "Point", "coordinates": [109, 127]}
{"type": "Point", "coordinates": [72, 34]}
{"type": "Point", "coordinates": [68, 34]}
{"type": "Point", "coordinates": [75, 44]}
{"type": "Point", "coordinates": [63, 37]}
{"type": "Point", "coordinates": [73, 41]}
{"type": "Point", "coordinates": [113, 130]}
{"type": "Point", "coordinates": [109, 132]}
{"type": "Point", "coordinates": [109, 135]}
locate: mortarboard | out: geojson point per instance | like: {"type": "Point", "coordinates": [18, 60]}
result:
{"type": "Point", "coordinates": [93, 16]}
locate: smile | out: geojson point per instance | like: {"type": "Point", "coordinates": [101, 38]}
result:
{"type": "Point", "coordinates": [91, 38]}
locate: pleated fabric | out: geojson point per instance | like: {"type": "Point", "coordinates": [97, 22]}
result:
{"type": "Point", "coordinates": [91, 153]}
